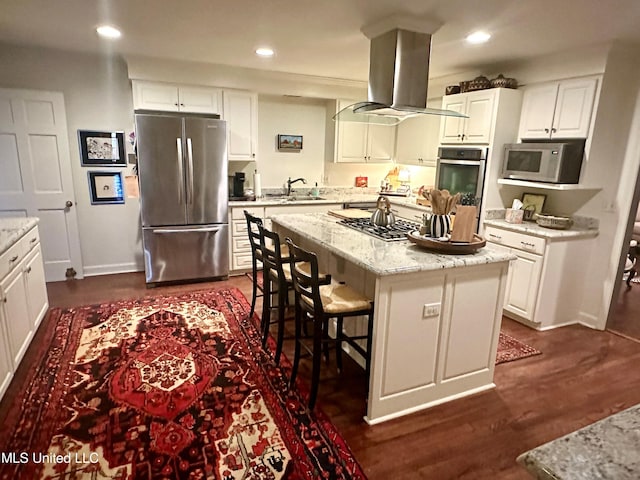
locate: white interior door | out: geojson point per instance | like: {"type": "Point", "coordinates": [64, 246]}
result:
{"type": "Point", "coordinates": [35, 179]}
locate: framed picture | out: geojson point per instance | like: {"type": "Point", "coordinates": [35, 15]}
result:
{"type": "Point", "coordinates": [105, 187]}
{"type": "Point", "coordinates": [534, 200]}
{"type": "Point", "coordinates": [102, 148]}
{"type": "Point", "coordinates": [289, 142]}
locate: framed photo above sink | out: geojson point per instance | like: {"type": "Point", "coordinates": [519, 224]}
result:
{"type": "Point", "coordinates": [289, 142]}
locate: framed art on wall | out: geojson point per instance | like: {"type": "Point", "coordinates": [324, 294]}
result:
{"type": "Point", "coordinates": [289, 142]}
{"type": "Point", "coordinates": [105, 187]}
{"type": "Point", "coordinates": [102, 148]}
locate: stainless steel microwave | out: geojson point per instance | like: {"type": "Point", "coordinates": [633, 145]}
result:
{"type": "Point", "coordinates": [544, 161]}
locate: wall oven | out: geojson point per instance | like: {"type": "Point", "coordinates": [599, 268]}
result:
{"type": "Point", "coordinates": [461, 170]}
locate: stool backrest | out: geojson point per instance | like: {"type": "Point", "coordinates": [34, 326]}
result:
{"type": "Point", "coordinates": [253, 230]}
{"type": "Point", "coordinates": [306, 281]}
{"type": "Point", "coordinates": [271, 252]}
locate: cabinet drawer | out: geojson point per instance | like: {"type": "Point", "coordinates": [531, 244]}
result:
{"type": "Point", "coordinates": [11, 258]}
{"type": "Point", "coordinates": [30, 240]}
{"type": "Point", "coordinates": [241, 261]}
{"type": "Point", "coordinates": [238, 212]}
{"type": "Point", "coordinates": [241, 244]}
{"type": "Point", "coordinates": [239, 229]}
{"type": "Point", "coordinates": [511, 239]}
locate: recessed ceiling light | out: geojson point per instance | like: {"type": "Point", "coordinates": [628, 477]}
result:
{"type": "Point", "coordinates": [264, 52]}
{"type": "Point", "coordinates": [478, 37]}
{"type": "Point", "coordinates": [108, 31]}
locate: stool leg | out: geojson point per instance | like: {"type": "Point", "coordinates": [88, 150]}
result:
{"type": "Point", "coordinates": [317, 357]}
{"type": "Point", "coordinates": [266, 307]}
{"type": "Point", "coordinates": [339, 344]}
{"type": "Point", "coordinates": [282, 294]}
{"type": "Point", "coordinates": [632, 274]}
{"type": "Point", "coordinates": [254, 292]}
{"type": "Point", "coordinates": [325, 340]}
{"type": "Point", "coordinates": [298, 339]}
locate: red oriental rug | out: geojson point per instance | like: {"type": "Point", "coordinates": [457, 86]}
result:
{"type": "Point", "coordinates": [164, 388]}
{"type": "Point", "coordinates": [510, 349]}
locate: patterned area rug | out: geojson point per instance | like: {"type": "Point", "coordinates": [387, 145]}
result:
{"type": "Point", "coordinates": [510, 349]}
{"type": "Point", "coordinates": [165, 388]}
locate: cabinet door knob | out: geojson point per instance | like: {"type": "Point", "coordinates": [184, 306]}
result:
{"type": "Point", "coordinates": [546, 130]}
{"type": "Point", "coordinates": [29, 270]}
{"type": "Point", "coordinates": [176, 104]}
{"type": "Point", "coordinates": [553, 130]}
{"type": "Point", "coordinates": [13, 259]}
{"type": "Point", "coordinates": [182, 104]}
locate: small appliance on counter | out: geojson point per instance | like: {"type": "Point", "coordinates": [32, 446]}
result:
{"type": "Point", "coordinates": [237, 187]}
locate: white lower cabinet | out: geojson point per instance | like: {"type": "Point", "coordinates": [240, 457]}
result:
{"type": "Point", "coordinates": [543, 284]}
{"type": "Point", "coordinates": [408, 213]}
{"type": "Point", "coordinates": [240, 248]}
{"type": "Point", "coordinates": [23, 302]}
{"type": "Point", "coordinates": [16, 313]}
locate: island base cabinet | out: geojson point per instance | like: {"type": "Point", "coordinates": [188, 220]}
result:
{"type": "Point", "coordinates": [431, 343]}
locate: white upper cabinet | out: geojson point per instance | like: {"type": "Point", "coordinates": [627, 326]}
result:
{"type": "Point", "coordinates": [417, 142]}
{"type": "Point", "coordinates": [558, 110]}
{"type": "Point", "coordinates": [359, 142]}
{"type": "Point", "coordinates": [176, 98]}
{"type": "Point", "coordinates": [241, 115]}
{"type": "Point", "coordinates": [478, 107]}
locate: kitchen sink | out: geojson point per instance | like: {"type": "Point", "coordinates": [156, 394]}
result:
{"type": "Point", "coordinates": [293, 198]}
{"type": "Point", "coordinates": [302, 199]}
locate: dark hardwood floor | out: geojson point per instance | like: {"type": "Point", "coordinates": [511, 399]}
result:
{"type": "Point", "coordinates": [582, 376]}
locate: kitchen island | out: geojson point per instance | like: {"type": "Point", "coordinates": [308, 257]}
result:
{"type": "Point", "coordinates": [437, 317]}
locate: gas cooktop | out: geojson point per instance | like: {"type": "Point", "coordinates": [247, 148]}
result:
{"type": "Point", "coordinates": [397, 232]}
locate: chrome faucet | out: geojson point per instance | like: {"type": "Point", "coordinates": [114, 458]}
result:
{"type": "Point", "coordinates": [291, 182]}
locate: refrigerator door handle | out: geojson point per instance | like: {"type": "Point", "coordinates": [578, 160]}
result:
{"type": "Point", "coordinates": [186, 230]}
{"type": "Point", "coordinates": [190, 178]}
{"type": "Point", "coordinates": [180, 162]}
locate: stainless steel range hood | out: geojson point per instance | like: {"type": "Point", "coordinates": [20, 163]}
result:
{"type": "Point", "coordinates": [398, 77]}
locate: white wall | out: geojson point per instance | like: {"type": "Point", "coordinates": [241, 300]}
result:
{"type": "Point", "coordinates": [97, 96]}
{"type": "Point", "coordinates": [295, 116]}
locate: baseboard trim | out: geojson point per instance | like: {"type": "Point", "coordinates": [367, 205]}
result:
{"type": "Point", "coordinates": [92, 271]}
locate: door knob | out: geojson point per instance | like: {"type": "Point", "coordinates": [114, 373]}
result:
{"type": "Point", "coordinates": [69, 204]}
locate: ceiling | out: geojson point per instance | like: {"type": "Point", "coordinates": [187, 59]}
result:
{"type": "Point", "coordinates": [314, 37]}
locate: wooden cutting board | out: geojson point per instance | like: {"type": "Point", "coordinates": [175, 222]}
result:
{"type": "Point", "coordinates": [464, 224]}
{"type": "Point", "coordinates": [350, 213]}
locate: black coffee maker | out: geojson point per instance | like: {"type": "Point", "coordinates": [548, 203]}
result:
{"type": "Point", "coordinates": [237, 190]}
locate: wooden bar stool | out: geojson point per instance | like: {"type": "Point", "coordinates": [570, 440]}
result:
{"type": "Point", "coordinates": [273, 274]}
{"type": "Point", "coordinates": [253, 223]}
{"type": "Point", "coordinates": [320, 303]}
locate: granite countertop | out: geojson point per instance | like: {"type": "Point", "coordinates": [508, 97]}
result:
{"type": "Point", "coordinates": [13, 229]}
{"type": "Point", "coordinates": [607, 449]}
{"type": "Point", "coordinates": [532, 228]}
{"type": "Point", "coordinates": [380, 257]}
{"type": "Point", "coordinates": [334, 198]}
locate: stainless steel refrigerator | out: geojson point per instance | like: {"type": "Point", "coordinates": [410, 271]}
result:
{"type": "Point", "coordinates": [182, 170]}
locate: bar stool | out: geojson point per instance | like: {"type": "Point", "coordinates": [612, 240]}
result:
{"type": "Point", "coordinates": [320, 303]}
{"type": "Point", "coordinates": [253, 224]}
{"type": "Point", "coordinates": [275, 272]}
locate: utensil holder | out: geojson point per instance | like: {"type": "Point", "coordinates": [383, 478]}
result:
{"type": "Point", "coordinates": [440, 225]}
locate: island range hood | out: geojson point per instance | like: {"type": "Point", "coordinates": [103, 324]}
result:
{"type": "Point", "coordinates": [398, 74]}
